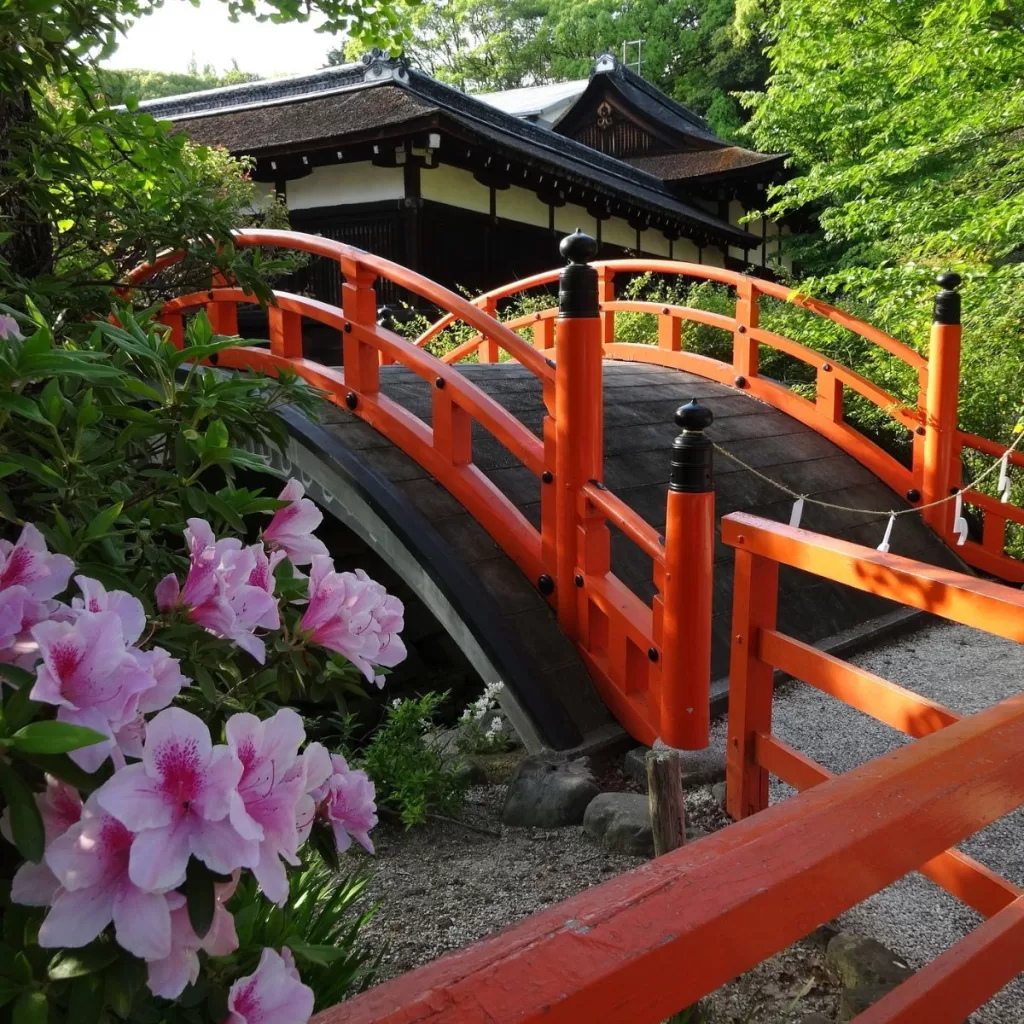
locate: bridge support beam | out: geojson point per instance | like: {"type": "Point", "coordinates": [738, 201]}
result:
{"type": "Point", "coordinates": [941, 452]}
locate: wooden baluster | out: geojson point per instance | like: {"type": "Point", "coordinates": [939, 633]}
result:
{"type": "Point", "coordinates": [917, 442]}
{"type": "Point", "coordinates": [755, 598]}
{"type": "Point", "coordinates": [993, 536]}
{"type": "Point", "coordinates": [744, 348]}
{"type": "Point", "coordinates": [359, 306]}
{"type": "Point", "coordinates": [830, 394]}
{"type": "Point", "coordinates": [285, 332]}
{"type": "Point", "coordinates": [489, 351]}
{"type": "Point", "coordinates": [685, 687]}
{"type": "Point", "coordinates": [670, 332]}
{"type": "Point", "coordinates": [544, 333]}
{"type": "Point", "coordinates": [941, 451]}
{"type": "Point", "coordinates": [453, 427]}
{"type": "Point", "coordinates": [223, 316]}
{"type": "Point", "coordinates": [606, 293]}
{"type": "Point", "coordinates": [548, 492]}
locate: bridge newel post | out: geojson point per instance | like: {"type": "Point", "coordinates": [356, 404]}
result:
{"type": "Point", "coordinates": [579, 456]}
{"type": "Point", "coordinates": [359, 307]}
{"type": "Point", "coordinates": [940, 471]}
{"type": "Point", "coordinates": [685, 687]}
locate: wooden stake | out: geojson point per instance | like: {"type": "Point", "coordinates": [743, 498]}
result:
{"type": "Point", "coordinates": [665, 793]}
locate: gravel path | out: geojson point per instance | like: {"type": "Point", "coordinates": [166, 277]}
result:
{"type": "Point", "coordinates": [444, 886]}
{"type": "Point", "coordinates": [967, 671]}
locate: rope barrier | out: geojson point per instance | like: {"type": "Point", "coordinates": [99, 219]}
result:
{"type": "Point", "coordinates": [957, 496]}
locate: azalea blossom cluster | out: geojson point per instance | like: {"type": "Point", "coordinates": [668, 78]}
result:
{"type": "Point", "coordinates": [120, 856]}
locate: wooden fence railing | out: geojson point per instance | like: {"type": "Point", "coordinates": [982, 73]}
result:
{"type": "Point", "coordinates": [655, 940]}
{"type": "Point", "coordinates": [936, 443]}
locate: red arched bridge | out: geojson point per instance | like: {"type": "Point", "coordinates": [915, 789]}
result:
{"type": "Point", "coordinates": [550, 476]}
{"type": "Point", "coordinates": [551, 451]}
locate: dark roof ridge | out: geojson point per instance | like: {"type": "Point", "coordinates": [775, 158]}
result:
{"type": "Point", "coordinates": [609, 64]}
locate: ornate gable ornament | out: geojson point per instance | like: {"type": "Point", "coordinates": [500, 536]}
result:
{"type": "Point", "coordinates": [382, 67]}
{"type": "Point", "coordinates": [604, 114]}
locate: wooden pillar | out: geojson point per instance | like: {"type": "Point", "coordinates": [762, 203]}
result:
{"type": "Point", "coordinates": [665, 799]}
{"type": "Point", "coordinates": [940, 448]}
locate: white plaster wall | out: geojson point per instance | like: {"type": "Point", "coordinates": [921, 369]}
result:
{"type": "Point", "coordinates": [456, 187]}
{"type": "Point", "coordinates": [618, 232]}
{"type": "Point", "coordinates": [653, 243]}
{"type": "Point", "coordinates": [570, 217]}
{"type": "Point", "coordinates": [521, 205]}
{"type": "Point", "coordinates": [685, 250]}
{"type": "Point", "coordinates": [713, 256]}
{"type": "Point", "coordinates": [340, 184]}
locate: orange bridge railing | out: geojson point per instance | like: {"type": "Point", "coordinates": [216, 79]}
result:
{"type": "Point", "coordinates": [936, 442]}
{"type": "Point", "coordinates": [635, 651]}
{"type": "Point", "coordinates": [653, 941]}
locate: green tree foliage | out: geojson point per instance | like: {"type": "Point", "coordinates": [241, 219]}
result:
{"type": "Point", "coordinates": [86, 188]}
{"type": "Point", "coordinates": [905, 119]}
{"type": "Point", "coordinates": [691, 48]}
{"type": "Point", "coordinates": [146, 85]}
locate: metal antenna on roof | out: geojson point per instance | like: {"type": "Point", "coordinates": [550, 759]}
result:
{"type": "Point", "coordinates": [634, 65]}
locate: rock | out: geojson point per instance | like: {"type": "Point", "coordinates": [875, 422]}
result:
{"type": "Point", "coordinates": [823, 934]}
{"type": "Point", "coordinates": [815, 1018]}
{"type": "Point", "coordinates": [699, 767]}
{"type": "Point", "coordinates": [718, 792]}
{"type": "Point", "coordinates": [853, 1001]}
{"type": "Point", "coordinates": [549, 793]}
{"type": "Point", "coordinates": [858, 961]}
{"type": "Point", "coordinates": [471, 772]}
{"type": "Point", "coordinates": [621, 822]}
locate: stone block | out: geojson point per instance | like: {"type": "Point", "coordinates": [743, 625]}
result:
{"type": "Point", "coordinates": [621, 822]}
{"type": "Point", "coordinates": [549, 793]}
{"type": "Point", "coordinates": [856, 961]}
{"type": "Point", "coordinates": [699, 767]}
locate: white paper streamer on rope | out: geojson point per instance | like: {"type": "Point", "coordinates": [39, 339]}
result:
{"type": "Point", "coordinates": [1004, 478]}
{"type": "Point", "coordinates": [959, 523]}
{"type": "Point", "coordinates": [884, 546]}
{"type": "Point", "coordinates": [797, 514]}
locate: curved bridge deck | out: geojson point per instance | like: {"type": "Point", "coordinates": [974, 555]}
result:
{"type": "Point", "coordinates": [640, 401]}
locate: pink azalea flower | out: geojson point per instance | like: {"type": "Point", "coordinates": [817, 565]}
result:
{"type": "Point", "coordinates": [317, 768]}
{"type": "Point", "coordinates": [178, 800]}
{"type": "Point", "coordinates": [228, 591]}
{"type": "Point", "coordinates": [9, 330]}
{"type": "Point", "coordinates": [291, 529]}
{"type": "Point", "coordinates": [272, 994]}
{"type": "Point", "coordinates": [169, 976]}
{"type": "Point", "coordinates": [353, 615]}
{"type": "Point", "coordinates": [28, 564]}
{"type": "Point", "coordinates": [91, 860]}
{"type": "Point", "coordinates": [346, 801]}
{"type": "Point", "coordinates": [96, 598]}
{"type": "Point", "coordinates": [90, 675]}
{"type": "Point", "coordinates": [167, 679]}
{"type": "Point", "coordinates": [272, 785]}
{"type": "Point", "coordinates": [60, 806]}
{"type": "Point", "coordinates": [29, 578]}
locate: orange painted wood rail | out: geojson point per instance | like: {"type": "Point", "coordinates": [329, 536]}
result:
{"type": "Point", "coordinates": [936, 442]}
{"type": "Point", "coordinates": [758, 649]}
{"type": "Point", "coordinates": [653, 941]}
{"type": "Point", "coordinates": [631, 649]}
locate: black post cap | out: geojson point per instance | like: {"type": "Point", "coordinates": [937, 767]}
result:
{"type": "Point", "coordinates": [947, 302]}
{"type": "Point", "coordinates": [577, 283]}
{"type": "Point", "coordinates": [691, 469]}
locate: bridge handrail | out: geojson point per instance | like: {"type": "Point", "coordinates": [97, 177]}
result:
{"type": "Point", "coordinates": [698, 270]}
{"type": "Point", "coordinates": [363, 261]}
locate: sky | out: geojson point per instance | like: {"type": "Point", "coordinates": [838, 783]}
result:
{"type": "Point", "coordinates": [177, 32]}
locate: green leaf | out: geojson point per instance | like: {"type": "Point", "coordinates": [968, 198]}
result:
{"type": "Point", "coordinates": [54, 738]}
{"type": "Point", "coordinates": [26, 821]}
{"type": "Point", "coordinates": [31, 1008]}
{"type": "Point", "coordinates": [85, 1003]}
{"type": "Point", "coordinates": [60, 766]}
{"type": "Point", "coordinates": [22, 405]}
{"type": "Point", "coordinates": [8, 990]}
{"type": "Point", "coordinates": [217, 435]}
{"type": "Point", "coordinates": [18, 677]}
{"type": "Point", "coordinates": [103, 521]}
{"type": "Point", "coordinates": [321, 955]}
{"type": "Point", "coordinates": [226, 512]}
{"type": "Point", "coordinates": [39, 470]}
{"type": "Point", "coordinates": [200, 896]}
{"type": "Point", "coordinates": [76, 963]}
